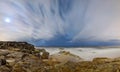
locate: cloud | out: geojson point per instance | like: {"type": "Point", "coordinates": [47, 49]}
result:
{"type": "Point", "coordinates": [102, 20]}
{"type": "Point", "coordinates": [46, 20]}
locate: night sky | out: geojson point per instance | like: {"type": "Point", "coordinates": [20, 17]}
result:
{"type": "Point", "coordinates": [61, 22]}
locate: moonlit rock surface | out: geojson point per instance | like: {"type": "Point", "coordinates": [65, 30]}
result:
{"type": "Point", "coordinates": [44, 22]}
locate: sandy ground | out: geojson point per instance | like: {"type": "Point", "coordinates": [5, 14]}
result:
{"type": "Point", "coordinates": [88, 53]}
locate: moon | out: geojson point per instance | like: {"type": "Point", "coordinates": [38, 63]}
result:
{"type": "Point", "coordinates": [7, 20]}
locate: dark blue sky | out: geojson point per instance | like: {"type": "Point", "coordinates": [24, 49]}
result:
{"type": "Point", "coordinates": [61, 22]}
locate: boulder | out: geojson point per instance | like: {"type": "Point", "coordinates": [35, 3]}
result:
{"type": "Point", "coordinates": [45, 55]}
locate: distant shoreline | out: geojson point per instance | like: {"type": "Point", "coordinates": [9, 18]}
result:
{"type": "Point", "coordinates": [77, 47]}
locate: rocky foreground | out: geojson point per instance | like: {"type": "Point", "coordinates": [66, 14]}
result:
{"type": "Point", "coordinates": [23, 57]}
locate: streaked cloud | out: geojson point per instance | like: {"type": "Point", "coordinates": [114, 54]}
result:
{"type": "Point", "coordinates": [71, 21]}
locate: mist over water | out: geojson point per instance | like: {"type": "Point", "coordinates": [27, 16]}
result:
{"type": "Point", "coordinates": [60, 22]}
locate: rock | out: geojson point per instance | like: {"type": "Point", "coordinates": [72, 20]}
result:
{"type": "Point", "coordinates": [28, 64]}
{"type": "Point", "coordinates": [24, 55]}
{"type": "Point", "coordinates": [20, 67]}
{"type": "Point", "coordinates": [65, 56]}
{"type": "Point", "coordinates": [2, 57]}
{"type": "Point", "coordinates": [65, 52]}
{"type": "Point", "coordinates": [11, 61]}
{"type": "Point", "coordinates": [19, 45]}
{"type": "Point", "coordinates": [4, 52]}
{"type": "Point", "coordinates": [45, 55]}
{"type": "Point", "coordinates": [26, 51]}
{"type": "Point", "coordinates": [5, 69]}
{"type": "Point", "coordinates": [15, 55]}
{"type": "Point", "coordinates": [41, 53]}
{"type": "Point", "coordinates": [102, 60]}
{"type": "Point", "coordinates": [2, 62]}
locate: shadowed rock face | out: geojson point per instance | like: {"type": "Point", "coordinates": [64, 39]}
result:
{"type": "Point", "coordinates": [20, 45]}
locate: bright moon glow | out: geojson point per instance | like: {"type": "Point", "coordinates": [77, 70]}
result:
{"type": "Point", "coordinates": [7, 20]}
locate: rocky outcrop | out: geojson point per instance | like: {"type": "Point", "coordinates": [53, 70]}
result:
{"type": "Point", "coordinates": [18, 57]}
{"type": "Point", "coordinates": [17, 61]}
{"type": "Point", "coordinates": [19, 45]}
{"type": "Point", "coordinates": [65, 56]}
